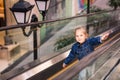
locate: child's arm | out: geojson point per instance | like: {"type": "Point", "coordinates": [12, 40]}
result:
{"type": "Point", "coordinates": [99, 39]}
{"type": "Point", "coordinates": [70, 57]}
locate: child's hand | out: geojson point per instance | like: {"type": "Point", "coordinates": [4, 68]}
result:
{"type": "Point", "coordinates": [64, 65]}
{"type": "Point", "coordinates": [105, 36]}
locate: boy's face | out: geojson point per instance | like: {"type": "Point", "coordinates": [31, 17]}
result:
{"type": "Point", "coordinates": [80, 36]}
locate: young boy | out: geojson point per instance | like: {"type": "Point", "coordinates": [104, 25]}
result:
{"type": "Point", "coordinates": [83, 47]}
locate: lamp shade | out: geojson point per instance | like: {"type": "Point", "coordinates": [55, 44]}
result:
{"type": "Point", "coordinates": [42, 5]}
{"type": "Point", "coordinates": [21, 11]}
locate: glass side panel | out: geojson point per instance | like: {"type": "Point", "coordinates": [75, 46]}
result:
{"type": "Point", "coordinates": [60, 34]}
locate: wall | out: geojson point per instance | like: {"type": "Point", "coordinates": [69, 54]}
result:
{"type": "Point", "coordinates": [2, 33]}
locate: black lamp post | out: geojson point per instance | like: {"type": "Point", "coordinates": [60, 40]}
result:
{"type": "Point", "coordinates": [88, 6]}
{"type": "Point", "coordinates": [88, 11]}
{"type": "Point", "coordinates": [22, 11]}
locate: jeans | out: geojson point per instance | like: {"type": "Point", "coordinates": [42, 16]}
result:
{"type": "Point", "coordinates": [86, 72]}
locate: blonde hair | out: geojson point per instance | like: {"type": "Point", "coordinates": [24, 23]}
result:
{"type": "Point", "coordinates": [83, 30]}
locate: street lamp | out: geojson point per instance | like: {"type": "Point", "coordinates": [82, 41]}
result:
{"type": "Point", "coordinates": [22, 11]}
{"type": "Point", "coordinates": [42, 6]}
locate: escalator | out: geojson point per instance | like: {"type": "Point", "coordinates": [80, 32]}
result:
{"type": "Point", "coordinates": [52, 69]}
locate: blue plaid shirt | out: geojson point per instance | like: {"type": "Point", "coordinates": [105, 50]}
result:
{"type": "Point", "coordinates": [80, 50]}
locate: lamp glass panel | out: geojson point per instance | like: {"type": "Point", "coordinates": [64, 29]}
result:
{"type": "Point", "coordinates": [41, 5]}
{"type": "Point", "coordinates": [28, 15]}
{"type": "Point", "coordinates": [19, 17]}
{"type": "Point", "coordinates": [48, 3]}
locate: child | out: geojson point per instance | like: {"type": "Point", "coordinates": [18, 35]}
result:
{"type": "Point", "coordinates": [83, 45]}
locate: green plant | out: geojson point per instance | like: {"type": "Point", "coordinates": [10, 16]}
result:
{"type": "Point", "coordinates": [114, 3]}
{"type": "Point", "coordinates": [64, 41]}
